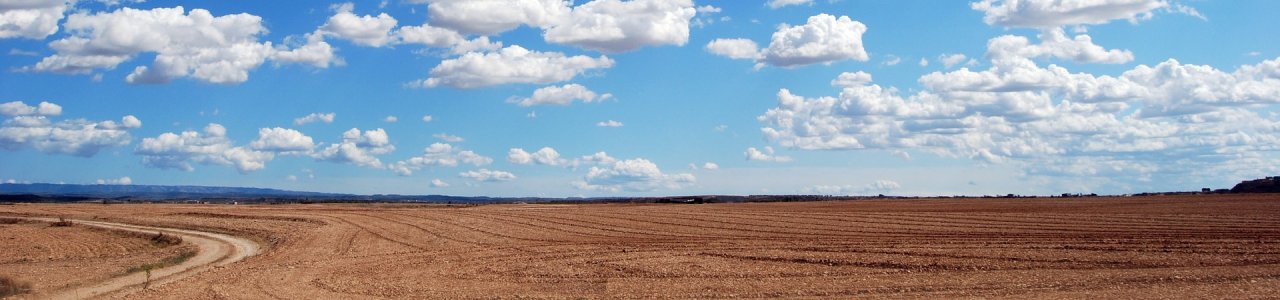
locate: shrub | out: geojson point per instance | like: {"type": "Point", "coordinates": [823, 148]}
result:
{"type": "Point", "coordinates": [10, 287]}
{"type": "Point", "coordinates": [165, 240]}
{"type": "Point", "coordinates": [63, 222]}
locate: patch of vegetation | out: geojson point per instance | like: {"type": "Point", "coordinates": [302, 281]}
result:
{"type": "Point", "coordinates": [10, 287]}
{"type": "Point", "coordinates": [7, 221]}
{"type": "Point", "coordinates": [165, 240]}
{"type": "Point", "coordinates": [63, 222]}
{"type": "Point", "coordinates": [167, 262]}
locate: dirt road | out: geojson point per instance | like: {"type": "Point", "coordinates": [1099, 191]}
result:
{"type": "Point", "coordinates": [215, 250]}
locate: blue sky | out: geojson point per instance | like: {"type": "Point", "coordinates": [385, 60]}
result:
{"type": "Point", "coordinates": [642, 97]}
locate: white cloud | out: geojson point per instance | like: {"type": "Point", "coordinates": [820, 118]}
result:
{"type": "Point", "coordinates": [29, 126]}
{"type": "Point", "coordinates": [560, 95]}
{"type": "Point", "coordinates": [179, 151]}
{"type": "Point", "coordinates": [488, 175]}
{"type": "Point", "coordinates": [513, 64]}
{"type": "Point", "coordinates": [951, 60]}
{"type": "Point", "coordinates": [358, 148]}
{"type": "Point", "coordinates": [776, 4]}
{"type": "Point", "coordinates": [390, 119]}
{"type": "Point", "coordinates": [1057, 13]}
{"type": "Point", "coordinates": [18, 108]}
{"type": "Point", "coordinates": [315, 52]}
{"type": "Point", "coordinates": [367, 30]}
{"type": "Point", "coordinates": [427, 118]}
{"type": "Point", "coordinates": [638, 175]}
{"type": "Point", "coordinates": [1161, 122]}
{"type": "Point", "coordinates": [32, 19]}
{"type": "Point", "coordinates": [850, 79]}
{"type": "Point", "coordinates": [282, 140]}
{"type": "Point", "coordinates": [448, 138]}
{"type": "Point", "coordinates": [545, 156]}
{"type": "Point", "coordinates": [1055, 43]}
{"type": "Point", "coordinates": [490, 17]}
{"type": "Point", "coordinates": [879, 186]}
{"type": "Point", "coordinates": [315, 117]}
{"type": "Point", "coordinates": [609, 123]}
{"type": "Point", "coordinates": [823, 39]}
{"type": "Point", "coordinates": [924, 62]}
{"type": "Point", "coordinates": [734, 48]}
{"type": "Point", "coordinates": [710, 166]}
{"type": "Point", "coordinates": [115, 181]}
{"type": "Point", "coordinates": [892, 60]}
{"type": "Point", "coordinates": [618, 26]}
{"type": "Point", "coordinates": [220, 49]}
{"type": "Point", "coordinates": [754, 154]}
{"type": "Point", "coordinates": [441, 155]}
{"type": "Point", "coordinates": [603, 25]}
{"type": "Point", "coordinates": [708, 9]}
{"type": "Point", "coordinates": [437, 183]}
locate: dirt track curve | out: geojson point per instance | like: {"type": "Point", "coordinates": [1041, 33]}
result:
{"type": "Point", "coordinates": [215, 250]}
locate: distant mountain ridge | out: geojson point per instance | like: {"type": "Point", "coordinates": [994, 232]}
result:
{"type": "Point", "coordinates": [153, 191]}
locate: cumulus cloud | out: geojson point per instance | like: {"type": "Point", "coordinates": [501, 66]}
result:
{"type": "Point", "coordinates": [282, 140]}
{"type": "Point", "coordinates": [437, 183]}
{"type": "Point", "coordinates": [561, 95]}
{"type": "Point", "coordinates": [776, 4]}
{"type": "Point", "coordinates": [609, 123]}
{"type": "Point", "coordinates": [513, 64]}
{"type": "Point", "coordinates": [823, 39]}
{"type": "Point", "coordinates": [390, 119]}
{"type": "Point", "coordinates": [115, 181]}
{"type": "Point", "coordinates": [951, 60]}
{"type": "Point", "coordinates": [367, 30]}
{"type": "Point", "coordinates": [358, 148]}
{"type": "Point", "coordinates": [620, 26]}
{"type": "Point", "coordinates": [32, 19]}
{"type": "Point", "coordinates": [427, 118]}
{"type": "Point", "coordinates": [734, 48]}
{"type": "Point", "coordinates": [487, 175]}
{"type": "Point", "coordinates": [311, 50]}
{"type": "Point", "coordinates": [490, 17]}
{"type": "Point", "coordinates": [754, 154]}
{"type": "Point", "coordinates": [439, 155]}
{"type": "Point", "coordinates": [637, 175]}
{"type": "Point", "coordinates": [544, 156]}
{"type": "Point", "coordinates": [879, 186]}
{"type": "Point", "coordinates": [448, 138]}
{"type": "Point", "coordinates": [30, 126]}
{"type": "Point", "coordinates": [210, 147]}
{"type": "Point", "coordinates": [602, 25]}
{"type": "Point", "coordinates": [1056, 13]}
{"type": "Point", "coordinates": [18, 108]}
{"type": "Point", "coordinates": [1055, 43]}
{"type": "Point", "coordinates": [1163, 121]}
{"type": "Point", "coordinates": [315, 117]}
{"type": "Point", "coordinates": [221, 49]}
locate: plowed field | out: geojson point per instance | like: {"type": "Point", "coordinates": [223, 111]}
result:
{"type": "Point", "coordinates": [51, 258]}
{"type": "Point", "coordinates": [1149, 247]}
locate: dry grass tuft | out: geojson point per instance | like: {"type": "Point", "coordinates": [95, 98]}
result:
{"type": "Point", "coordinates": [63, 222]}
{"type": "Point", "coordinates": [10, 287]}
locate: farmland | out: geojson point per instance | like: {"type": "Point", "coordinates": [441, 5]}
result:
{"type": "Point", "coordinates": [1139, 247]}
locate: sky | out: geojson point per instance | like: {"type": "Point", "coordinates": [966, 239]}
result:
{"type": "Point", "coordinates": [642, 97]}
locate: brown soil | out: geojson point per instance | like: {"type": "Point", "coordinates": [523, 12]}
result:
{"type": "Point", "coordinates": [55, 257]}
{"type": "Point", "coordinates": [1150, 247]}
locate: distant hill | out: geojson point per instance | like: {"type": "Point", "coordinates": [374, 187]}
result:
{"type": "Point", "coordinates": [152, 191]}
{"type": "Point", "coordinates": [46, 192]}
{"type": "Point", "coordinates": [1265, 185]}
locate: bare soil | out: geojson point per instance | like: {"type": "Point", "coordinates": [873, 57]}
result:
{"type": "Point", "coordinates": [1222, 246]}
{"type": "Point", "coordinates": [56, 257]}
